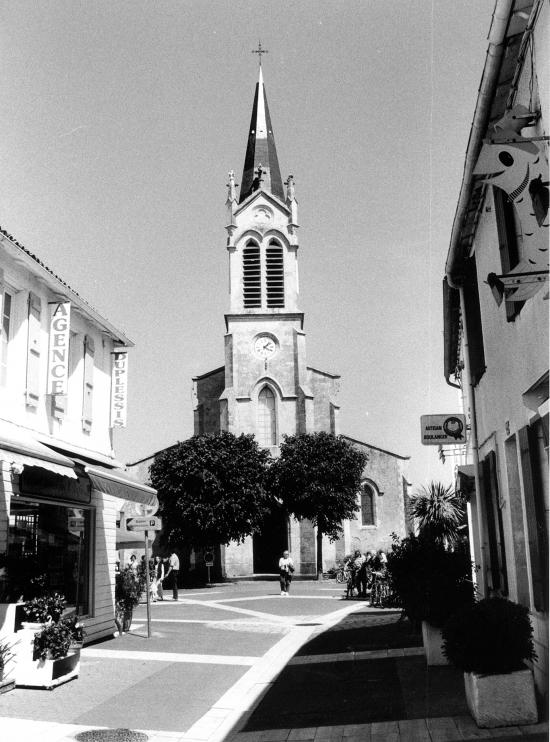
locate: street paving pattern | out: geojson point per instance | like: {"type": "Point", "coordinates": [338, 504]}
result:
{"type": "Point", "coordinates": [210, 654]}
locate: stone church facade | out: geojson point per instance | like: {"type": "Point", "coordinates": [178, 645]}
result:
{"type": "Point", "coordinates": [266, 387]}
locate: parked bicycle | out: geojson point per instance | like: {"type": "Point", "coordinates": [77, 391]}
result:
{"type": "Point", "coordinates": [342, 574]}
{"type": "Point", "coordinates": [380, 590]}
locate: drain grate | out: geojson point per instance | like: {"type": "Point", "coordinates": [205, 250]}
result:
{"type": "Point", "coordinates": [111, 735]}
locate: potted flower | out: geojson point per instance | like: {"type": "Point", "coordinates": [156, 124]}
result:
{"type": "Point", "coordinates": [128, 590]}
{"type": "Point", "coordinates": [55, 654]}
{"type": "Point", "coordinates": [44, 609]}
{"type": "Point", "coordinates": [431, 583]}
{"type": "Point", "coordinates": [490, 642]}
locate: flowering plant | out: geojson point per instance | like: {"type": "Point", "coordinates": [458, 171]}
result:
{"type": "Point", "coordinates": [54, 641]}
{"type": "Point", "coordinates": [46, 608]}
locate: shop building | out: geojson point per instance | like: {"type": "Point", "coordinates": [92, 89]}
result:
{"type": "Point", "coordinates": [495, 296]}
{"type": "Point", "coordinates": [63, 385]}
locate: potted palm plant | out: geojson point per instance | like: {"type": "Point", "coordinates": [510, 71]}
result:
{"type": "Point", "coordinates": [431, 584]}
{"type": "Point", "coordinates": [490, 642]}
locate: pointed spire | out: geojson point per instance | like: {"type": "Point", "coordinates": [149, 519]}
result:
{"type": "Point", "coordinates": [261, 166]}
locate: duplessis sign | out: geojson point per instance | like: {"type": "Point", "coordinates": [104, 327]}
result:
{"type": "Point", "coordinates": [119, 388]}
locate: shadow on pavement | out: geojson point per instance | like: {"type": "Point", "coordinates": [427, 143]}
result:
{"type": "Point", "coordinates": [359, 690]}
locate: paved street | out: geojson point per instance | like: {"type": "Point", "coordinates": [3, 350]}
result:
{"type": "Point", "coordinates": [240, 662]}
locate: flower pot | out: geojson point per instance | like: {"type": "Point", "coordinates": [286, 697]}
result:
{"type": "Point", "coordinates": [432, 640]}
{"type": "Point", "coordinates": [48, 673]}
{"type": "Point", "coordinates": [501, 700]}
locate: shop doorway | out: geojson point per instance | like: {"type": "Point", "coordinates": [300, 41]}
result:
{"type": "Point", "coordinates": [270, 542]}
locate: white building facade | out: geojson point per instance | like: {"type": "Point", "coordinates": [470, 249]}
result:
{"type": "Point", "coordinates": [63, 376]}
{"type": "Point", "coordinates": [496, 315]}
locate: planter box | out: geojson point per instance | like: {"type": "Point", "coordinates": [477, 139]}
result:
{"type": "Point", "coordinates": [432, 640]}
{"type": "Point", "coordinates": [501, 700]}
{"type": "Point", "coordinates": [48, 673]}
{"type": "Point", "coordinates": [6, 685]}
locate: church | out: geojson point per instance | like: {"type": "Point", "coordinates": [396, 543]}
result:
{"type": "Point", "coordinates": [266, 386]}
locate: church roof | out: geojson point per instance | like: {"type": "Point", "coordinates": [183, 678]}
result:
{"type": "Point", "coordinates": [261, 150]}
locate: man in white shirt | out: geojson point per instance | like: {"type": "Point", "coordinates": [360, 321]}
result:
{"type": "Point", "coordinates": [173, 569]}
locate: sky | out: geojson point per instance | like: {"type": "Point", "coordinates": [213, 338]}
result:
{"type": "Point", "coordinates": [120, 121]}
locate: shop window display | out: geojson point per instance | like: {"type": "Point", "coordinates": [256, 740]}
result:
{"type": "Point", "coordinates": [52, 541]}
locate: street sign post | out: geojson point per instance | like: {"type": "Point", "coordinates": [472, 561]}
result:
{"type": "Point", "coordinates": [443, 430]}
{"type": "Point", "coordinates": [209, 561]}
{"type": "Point", "coordinates": [151, 523]}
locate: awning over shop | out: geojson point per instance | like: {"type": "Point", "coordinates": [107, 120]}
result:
{"type": "Point", "coordinates": [118, 483]}
{"type": "Point", "coordinates": [19, 449]}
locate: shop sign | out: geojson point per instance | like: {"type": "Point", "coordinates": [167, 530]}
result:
{"type": "Point", "coordinates": [442, 430]}
{"type": "Point", "coordinates": [76, 524]}
{"type": "Point", "coordinates": [58, 355]}
{"type": "Point", "coordinates": [119, 388]}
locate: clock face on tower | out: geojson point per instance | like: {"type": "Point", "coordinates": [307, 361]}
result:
{"type": "Point", "coordinates": [265, 346]}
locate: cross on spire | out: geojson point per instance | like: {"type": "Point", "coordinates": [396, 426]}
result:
{"type": "Point", "coordinates": [259, 51]}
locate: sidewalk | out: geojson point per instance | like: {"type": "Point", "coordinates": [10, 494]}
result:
{"type": "Point", "coordinates": [366, 680]}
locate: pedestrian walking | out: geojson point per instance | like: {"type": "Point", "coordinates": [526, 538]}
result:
{"type": "Point", "coordinates": [173, 570]}
{"type": "Point", "coordinates": [286, 569]}
{"type": "Point", "coordinates": [133, 563]}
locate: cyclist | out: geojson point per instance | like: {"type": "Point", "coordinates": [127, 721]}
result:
{"type": "Point", "coordinates": [379, 572]}
{"type": "Point", "coordinates": [365, 574]}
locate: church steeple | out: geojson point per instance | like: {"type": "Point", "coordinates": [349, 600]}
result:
{"type": "Point", "coordinates": [261, 166]}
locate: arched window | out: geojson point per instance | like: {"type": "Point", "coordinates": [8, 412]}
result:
{"type": "Point", "coordinates": [252, 282]}
{"type": "Point", "coordinates": [367, 505]}
{"type": "Point", "coordinates": [274, 275]}
{"type": "Point", "coordinates": [267, 418]}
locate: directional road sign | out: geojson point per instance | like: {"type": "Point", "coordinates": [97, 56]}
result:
{"type": "Point", "coordinates": [144, 524]}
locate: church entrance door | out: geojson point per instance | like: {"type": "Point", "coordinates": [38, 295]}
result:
{"type": "Point", "coordinates": [270, 542]}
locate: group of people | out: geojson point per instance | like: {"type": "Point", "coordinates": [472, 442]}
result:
{"type": "Point", "coordinates": [366, 567]}
{"type": "Point", "coordinates": [160, 568]}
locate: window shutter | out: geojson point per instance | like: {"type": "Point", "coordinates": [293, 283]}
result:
{"type": "Point", "coordinates": [507, 242]}
{"type": "Point", "coordinates": [33, 350]}
{"type": "Point", "coordinates": [536, 519]}
{"type": "Point", "coordinates": [87, 399]}
{"type": "Point", "coordinates": [275, 275]}
{"type": "Point", "coordinates": [473, 321]}
{"type": "Point", "coordinates": [252, 283]}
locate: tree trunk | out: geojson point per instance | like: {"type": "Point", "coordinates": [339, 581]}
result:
{"type": "Point", "coordinates": [319, 553]}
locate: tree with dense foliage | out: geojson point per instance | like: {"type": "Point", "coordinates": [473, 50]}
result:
{"type": "Point", "coordinates": [211, 489]}
{"type": "Point", "coordinates": [438, 511]}
{"type": "Point", "coordinates": [317, 476]}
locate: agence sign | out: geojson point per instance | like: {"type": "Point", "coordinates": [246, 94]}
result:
{"type": "Point", "coordinates": [58, 355]}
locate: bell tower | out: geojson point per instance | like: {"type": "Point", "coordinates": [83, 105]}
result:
{"type": "Point", "coordinates": [266, 391]}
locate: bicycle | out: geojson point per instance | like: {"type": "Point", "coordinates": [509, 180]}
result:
{"type": "Point", "coordinates": [342, 574]}
{"type": "Point", "coordinates": [380, 591]}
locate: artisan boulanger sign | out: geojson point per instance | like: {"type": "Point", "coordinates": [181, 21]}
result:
{"type": "Point", "coordinates": [441, 430]}
{"type": "Point", "coordinates": [58, 354]}
{"type": "Point", "coordinates": [119, 388]}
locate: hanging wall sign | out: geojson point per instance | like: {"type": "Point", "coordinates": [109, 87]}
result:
{"type": "Point", "coordinates": [441, 430]}
{"type": "Point", "coordinates": [119, 388]}
{"type": "Point", "coordinates": [58, 355]}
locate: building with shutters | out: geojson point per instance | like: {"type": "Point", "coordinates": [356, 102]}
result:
{"type": "Point", "coordinates": [266, 386]}
{"type": "Point", "coordinates": [495, 296]}
{"type": "Point", "coordinates": [61, 487]}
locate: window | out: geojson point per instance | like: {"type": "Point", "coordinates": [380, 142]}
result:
{"type": "Point", "coordinates": [42, 537]}
{"type": "Point", "coordinates": [509, 241]}
{"type": "Point", "coordinates": [252, 281]}
{"type": "Point", "coordinates": [274, 275]}
{"type": "Point", "coordinates": [5, 328]}
{"type": "Point", "coordinates": [367, 505]}
{"type": "Point", "coordinates": [267, 418]}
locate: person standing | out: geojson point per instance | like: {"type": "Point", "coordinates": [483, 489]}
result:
{"type": "Point", "coordinates": [286, 568]}
{"type": "Point", "coordinates": [173, 569]}
{"type": "Point", "coordinates": [158, 576]}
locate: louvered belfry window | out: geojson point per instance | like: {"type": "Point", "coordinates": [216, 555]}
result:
{"type": "Point", "coordinates": [274, 275]}
{"type": "Point", "coordinates": [252, 278]}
